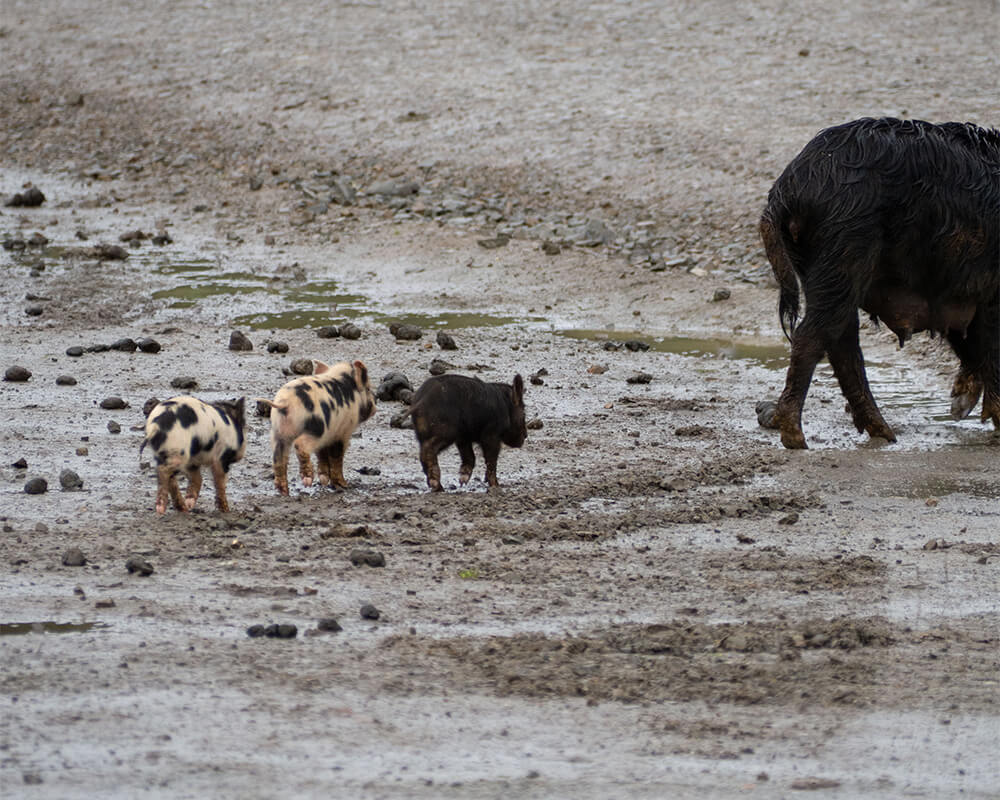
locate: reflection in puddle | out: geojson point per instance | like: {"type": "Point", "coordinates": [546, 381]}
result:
{"type": "Point", "coordinates": [22, 628]}
{"type": "Point", "coordinates": [770, 356]}
{"type": "Point", "coordinates": [455, 319]}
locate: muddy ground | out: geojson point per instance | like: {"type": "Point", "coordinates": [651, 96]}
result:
{"type": "Point", "coordinates": [660, 601]}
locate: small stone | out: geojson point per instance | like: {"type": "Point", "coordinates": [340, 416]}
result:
{"type": "Point", "coordinates": [133, 236]}
{"type": "Point", "coordinates": [283, 631]}
{"type": "Point", "coordinates": [439, 367]}
{"type": "Point", "coordinates": [639, 377]}
{"type": "Point", "coordinates": [109, 252]}
{"type": "Point", "coordinates": [34, 311]}
{"type": "Point", "coordinates": [65, 380]}
{"type": "Point", "coordinates": [140, 565]}
{"type": "Point", "coordinates": [500, 240]}
{"type": "Point", "coordinates": [185, 382]}
{"type": "Point", "coordinates": [255, 630]}
{"type": "Point", "coordinates": [401, 420]}
{"type": "Point", "coordinates": [20, 464]}
{"type": "Point", "coordinates": [29, 198]}
{"type": "Point", "coordinates": [32, 779]}
{"type": "Point", "coordinates": [161, 239]}
{"type": "Point", "coordinates": [147, 345]}
{"type": "Point", "coordinates": [125, 345]}
{"type": "Point", "coordinates": [277, 347]}
{"type": "Point", "coordinates": [635, 345]}
{"type": "Point", "coordinates": [373, 558]}
{"type": "Point", "coordinates": [74, 557]}
{"type": "Point", "coordinates": [368, 611]}
{"type": "Point", "coordinates": [392, 385]}
{"type": "Point", "coordinates": [446, 341]}
{"type": "Point", "coordinates": [70, 481]}
{"type": "Point", "coordinates": [36, 486]}
{"type": "Point", "coordinates": [328, 332]}
{"type": "Point", "coordinates": [405, 332]}
{"type": "Point", "coordinates": [38, 239]}
{"type": "Point", "coordinates": [17, 374]}
{"type": "Point", "coordinates": [534, 424]}
{"type": "Point", "coordinates": [789, 519]}
{"type": "Point", "coordinates": [302, 366]}
{"type": "Point", "coordinates": [721, 294]}
{"type": "Point", "coordinates": [83, 451]}
{"type": "Point", "coordinates": [114, 427]}
{"type": "Point", "coordinates": [97, 348]}
{"type": "Point", "coordinates": [551, 248]}
{"type": "Point", "coordinates": [263, 409]}
{"type": "Point", "coordinates": [328, 625]}
{"type": "Point", "coordinates": [350, 331]}
{"type": "Point", "coordinates": [75, 351]}
{"type": "Point", "coordinates": [149, 405]}
{"type": "Point", "coordinates": [113, 403]}
{"type": "Point", "coordinates": [239, 342]}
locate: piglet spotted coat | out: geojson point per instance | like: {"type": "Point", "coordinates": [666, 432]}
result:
{"type": "Point", "coordinates": [186, 433]}
{"type": "Point", "coordinates": [318, 414]}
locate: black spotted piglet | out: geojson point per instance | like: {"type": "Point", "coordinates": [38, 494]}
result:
{"type": "Point", "coordinates": [186, 434]}
{"type": "Point", "coordinates": [318, 414]}
{"type": "Point", "coordinates": [455, 409]}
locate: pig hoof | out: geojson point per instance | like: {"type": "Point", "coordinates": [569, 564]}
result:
{"type": "Point", "coordinates": [161, 508]}
{"type": "Point", "coordinates": [323, 481]}
{"type": "Point", "coordinates": [189, 502]}
{"type": "Point", "coordinates": [307, 482]}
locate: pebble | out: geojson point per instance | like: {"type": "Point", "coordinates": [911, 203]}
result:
{"type": "Point", "coordinates": [639, 377]}
{"type": "Point", "coordinates": [446, 341]}
{"type": "Point", "coordinates": [392, 385]}
{"type": "Point", "coordinates": [109, 252]}
{"type": "Point", "coordinates": [329, 625]}
{"type": "Point", "coordinates": [20, 464]}
{"type": "Point", "coordinates": [75, 351]}
{"type": "Point", "coordinates": [125, 345]}
{"type": "Point", "coordinates": [17, 374]}
{"type": "Point", "coordinates": [391, 188]}
{"type": "Point", "coordinates": [551, 248]}
{"type": "Point", "coordinates": [721, 294]}
{"type": "Point", "coordinates": [147, 345]}
{"type": "Point", "coordinates": [34, 311]}
{"type": "Point", "coordinates": [74, 557]}
{"type": "Point", "coordinates": [36, 485]}
{"type": "Point", "coordinates": [277, 347]}
{"type": "Point", "coordinates": [114, 427]}
{"type": "Point", "coordinates": [534, 425]}
{"type": "Point", "coordinates": [440, 367]}
{"type": "Point", "coordinates": [401, 420]}
{"type": "Point", "coordinates": [113, 403]}
{"type": "Point", "coordinates": [350, 331]}
{"type": "Point", "coordinates": [184, 382]}
{"type": "Point", "coordinates": [263, 409]}
{"type": "Point", "coordinates": [405, 332]}
{"type": "Point", "coordinates": [65, 380]}
{"type": "Point", "coordinates": [149, 405]}
{"type": "Point", "coordinates": [302, 366]}
{"type": "Point", "coordinates": [368, 611]}
{"type": "Point", "coordinates": [285, 631]}
{"type": "Point", "coordinates": [70, 481]}
{"type": "Point", "coordinates": [140, 565]}
{"type": "Point", "coordinates": [239, 342]}
{"type": "Point", "coordinates": [328, 332]}
{"type": "Point", "coordinates": [373, 558]}
{"type": "Point", "coordinates": [636, 346]}
{"type": "Point", "coordinates": [30, 197]}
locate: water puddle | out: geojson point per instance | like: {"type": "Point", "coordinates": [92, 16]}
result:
{"type": "Point", "coordinates": [769, 356]}
{"type": "Point", "coordinates": [23, 628]}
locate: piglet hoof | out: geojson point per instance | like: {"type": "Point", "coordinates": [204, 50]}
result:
{"type": "Point", "coordinates": [281, 487]}
{"type": "Point", "coordinates": [435, 486]}
{"type": "Point", "coordinates": [189, 503]}
{"type": "Point", "coordinates": [307, 482]}
{"type": "Point", "coordinates": [161, 507]}
{"type": "Point", "coordinates": [222, 505]}
{"type": "Point", "coordinates": [323, 481]}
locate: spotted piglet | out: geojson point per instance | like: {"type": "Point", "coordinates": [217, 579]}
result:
{"type": "Point", "coordinates": [318, 414]}
{"type": "Point", "coordinates": [186, 434]}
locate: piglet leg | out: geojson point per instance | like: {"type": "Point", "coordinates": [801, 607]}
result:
{"type": "Point", "coordinates": [219, 479]}
{"type": "Point", "coordinates": [428, 460]}
{"type": "Point", "coordinates": [491, 453]}
{"type": "Point", "coordinates": [194, 488]}
{"type": "Point", "coordinates": [281, 467]}
{"type": "Point", "coordinates": [468, 462]}
{"type": "Point", "coordinates": [304, 453]}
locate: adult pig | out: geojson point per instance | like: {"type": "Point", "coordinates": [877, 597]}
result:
{"type": "Point", "coordinates": [186, 433]}
{"type": "Point", "coordinates": [318, 414]}
{"type": "Point", "coordinates": [454, 409]}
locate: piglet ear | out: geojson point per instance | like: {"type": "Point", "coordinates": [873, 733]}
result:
{"type": "Point", "coordinates": [360, 373]}
{"type": "Point", "coordinates": [519, 388]}
{"type": "Point", "coordinates": [319, 367]}
{"type": "Point", "coordinates": [240, 404]}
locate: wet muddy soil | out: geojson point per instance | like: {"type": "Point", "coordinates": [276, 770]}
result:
{"type": "Point", "coordinates": [660, 600]}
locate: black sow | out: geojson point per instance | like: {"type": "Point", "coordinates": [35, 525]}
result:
{"type": "Point", "coordinates": [454, 409]}
{"type": "Point", "coordinates": [900, 218]}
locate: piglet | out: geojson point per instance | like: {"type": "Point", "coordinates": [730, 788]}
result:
{"type": "Point", "coordinates": [186, 433]}
{"type": "Point", "coordinates": [455, 409]}
{"type": "Point", "coordinates": [317, 414]}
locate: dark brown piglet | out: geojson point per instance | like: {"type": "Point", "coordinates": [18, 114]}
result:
{"type": "Point", "coordinates": [454, 409]}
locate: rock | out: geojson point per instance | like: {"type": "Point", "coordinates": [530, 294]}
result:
{"type": "Point", "coordinates": [341, 191]}
{"type": "Point", "coordinates": [38, 239]}
{"type": "Point", "coordinates": [368, 611]}
{"type": "Point", "coordinates": [17, 374]}
{"type": "Point", "coordinates": [440, 367]}
{"type": "Point", "coordinates": [286, 631]}
{"type": "Point", "coordinates": [789, 519]}
{"type": "Point", "coordinates": [161, 239]}
{"type": "Point", "coordinates": [97, 348]}
{"type": "Point", "coordinates": [328, 332]}
{"type": "Point", "coordinates": [113, 403]}
{"type": "Point", "coordinates": [551, 248]}
{"type": "Point", "coordinates": [147, 345]}
{"type": "Point", "coordinates": [371, 558]}
{"type": "Point", "coordinates": [350, 331]}
{"type": "Point", "coordinates": [534, 425]}
{"type": "Point", "coordinates": [500, 240]}
{"type": "Point", "coordinates": [114, 427]}
{"type": "Point", "coordinates": [70, 481]}
{"type": "Point", "coordinates": [140, 565]}
{"type": "Point", "coordinates": [405, 332]}
{"type": "Point", "coordinates": [109, 252]}
{"type": "Point", "coordinates": [20, 464]}
{"type": "Point", "coordinates": [74, 557]}
{"type": "Point", "coordinates": [635, 345]}
{"type": "Point", "coordinates": [301, 366]}
{"type": "Point", "coordinates": [31, 197]}
{"type": "Point", "coordinates": [36, 486]}
{"type": "Point", "coordinates": [277, 347]}
{"type": "Point", "coordinates": [34, 311]}
{"type": "Point", "coordinates": [184, 382]}
{"type": "Point", "coordinates": [65, 380]}
{"type": "Point", "coordinates": [595, 233]}
{"type": "Point", "coordinates": [721, 294]}
{"type": "Point", "coordinates": [328, 625]}
{"type": "Point", "coordinates": [392, 385]}
{"type": "Point", "coordinates": [125, 345]}
{"type": "Point", "coordinates": [133, 236]}
{"type": "Point", "coordinates": [368, 471]}
{"type": "Point", "coordinates": [401, 420]}
{"type": "Point", "coordinates": [149, 405]}
{"type": "Point", "coordinates": [446, 341]}
{"type": "Point", "coordinates": [639, 377]}
{"type": "Point", "coordinates": [75, 351]}
{"type": "Point", "coordinates": [766, 411]}
{"type": "Point", "coordinates": [239, 342]}
{"type": "Point", "coordinates": [263, 409]}
{"type": "Point", "coordinates": [676, 484]}
{"type": "Point", "coordinates": [392, 188]}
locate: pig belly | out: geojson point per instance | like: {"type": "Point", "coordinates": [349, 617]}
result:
{"type": "Point", "coordinates": [906, 312]}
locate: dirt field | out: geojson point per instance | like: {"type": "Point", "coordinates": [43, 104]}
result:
{"type": "Point", "coordinates": [660, 601]}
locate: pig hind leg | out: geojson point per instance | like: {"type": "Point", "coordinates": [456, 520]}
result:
{"type": "Point", "coordinates": [849, 367]}
{"type": "Point", "coordinates": [331, 464]}
{"type": "Point", "coordinates": [194, 487]}
{"type": "Point", "coordinates": [167, 489]}
{"type": "Point", "coordinates": [468, 462]}
{"type": "Point", "coordinates": [304, 448]}
{"type": "Point", "coordinates": [979, 354]}
{"type": "Point", "coordinates": [280, 462]}
{"type": "Point", "coordinates": [429, 449]}
{"type": "Point", "coordinates": [219, 479]}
